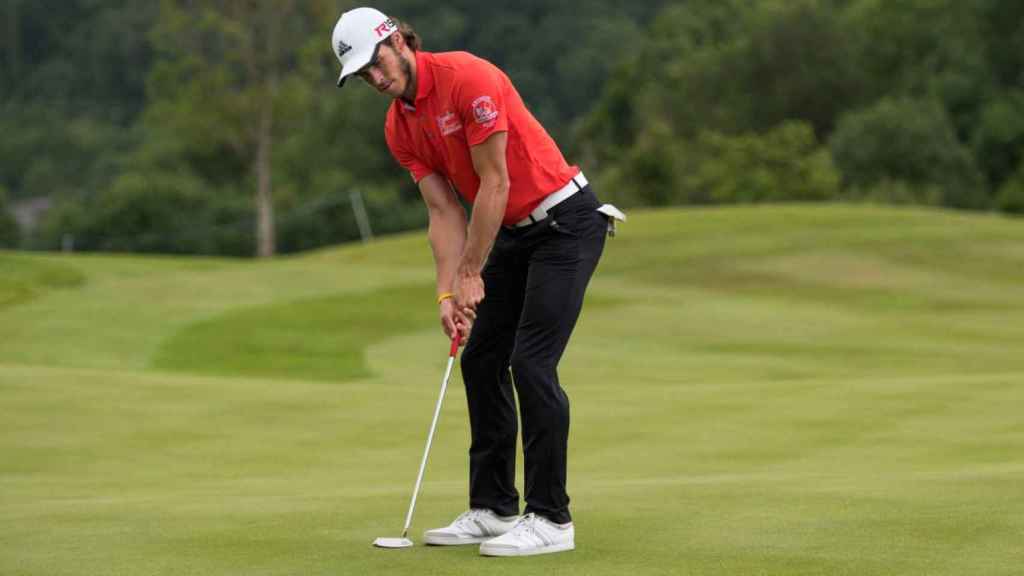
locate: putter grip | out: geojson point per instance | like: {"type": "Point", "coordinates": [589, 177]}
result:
{"type": "Point", "coordinates": [455, 344]}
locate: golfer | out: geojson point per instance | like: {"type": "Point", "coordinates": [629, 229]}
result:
{"type": "Point", "coordinates": [512, 280]}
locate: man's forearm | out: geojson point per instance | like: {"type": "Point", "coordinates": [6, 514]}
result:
{"type": "Point", "coordinates": [488, 212]}
{"type": "Point", "coordinates": [447, 239]}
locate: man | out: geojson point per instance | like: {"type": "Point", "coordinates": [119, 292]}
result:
{"type": "Point", "coordinates": [513, 282]}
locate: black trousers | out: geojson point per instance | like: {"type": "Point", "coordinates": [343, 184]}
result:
{"type": "Point", "coordinates": [534, 282]}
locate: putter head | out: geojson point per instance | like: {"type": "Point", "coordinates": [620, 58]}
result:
{"type": "Point", "coordinates": [392, 543]}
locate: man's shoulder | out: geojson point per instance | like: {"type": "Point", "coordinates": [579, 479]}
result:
{"type": "Point", "coordinates": [453, 64]}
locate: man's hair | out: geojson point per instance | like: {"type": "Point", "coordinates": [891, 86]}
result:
{"type": "Point", "coordinates": [412, 39]}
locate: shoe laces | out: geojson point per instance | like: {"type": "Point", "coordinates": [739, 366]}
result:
{"type": "Point", "coordinates": [527, 524]}
{"type": "Point", "coordinates": [468, 519]}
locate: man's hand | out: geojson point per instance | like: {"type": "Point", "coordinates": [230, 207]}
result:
{"type": "Point", "coordinates": [452, 320]}
{"type": "Point", "coordinates": [469, 292]}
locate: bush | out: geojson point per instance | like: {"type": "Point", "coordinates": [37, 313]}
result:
{"type": "Point", "coordinates": [894, 192]}
{"type": "Point", "coordinates": [649, 172]}
{"type": "Point", "coordinates": [998, 139]}
{"type": "Point", "coordinates": [784, 164]}
{"type": "Point", "coordinates": [907, 141]}
{"type": "Point", "coordinates": [1011, 196]}
{"type": "Point", "coordinates": [159, 212]}
{"type": "Point", "coordinates": [9, 232]}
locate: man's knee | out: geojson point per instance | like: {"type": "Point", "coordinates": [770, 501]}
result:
{"type": "Point", "coordinates": [520, 365]}
{"type": "Point", "coordinates": [530, 368]}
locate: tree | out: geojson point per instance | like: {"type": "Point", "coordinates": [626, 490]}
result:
{"type": "Point", "coordinates": [795, 65]}
{"type": "Point", "coordinates": [1011, 196]}
{"type": "Point", "coordinates": [1003, 33]}
{"type": "Point", "coordinates": [785, 163]}
{"type": "Point", "coordinates": [670, 84]}
{"type": "Point", "coordinates": [911, 141]}
{"type": "Point", "coordinates": [9, 233]}
{"type": "Point", "coordinates": [228, 80]}
{"type": "Point", "coordinates": [922, 48]}
{"type": "Point", "coordinates": [998, 138]}
{"type": "Point", "coordinates": [170, 212]}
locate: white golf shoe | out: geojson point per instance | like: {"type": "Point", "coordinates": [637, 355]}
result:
{"type": "Point", "coordinates": [471, 527]}
{"type": "Point", "coordinates": [532, 535]}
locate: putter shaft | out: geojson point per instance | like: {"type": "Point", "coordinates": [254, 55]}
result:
{"type": "Point", "coordinates": [430, 435]}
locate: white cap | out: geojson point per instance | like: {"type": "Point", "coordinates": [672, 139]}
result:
{"type": "Point", "coordinates": [357, 36]}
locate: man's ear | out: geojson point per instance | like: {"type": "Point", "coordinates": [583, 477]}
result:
{"type": "Point", "coordinates": [397, 41]}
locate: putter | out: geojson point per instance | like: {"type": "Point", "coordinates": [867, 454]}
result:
{"type": "Point", "coordinates": [404, 542]}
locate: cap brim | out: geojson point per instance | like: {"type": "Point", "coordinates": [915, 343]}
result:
{"type": "Point", "coordinates": [356, 63]}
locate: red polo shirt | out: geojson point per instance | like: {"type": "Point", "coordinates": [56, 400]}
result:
{"type": "Point", "coordinates": [460, 101]}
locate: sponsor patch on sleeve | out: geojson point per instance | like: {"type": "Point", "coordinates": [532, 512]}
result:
{"type": "Point", "coordinates": [484, 110]}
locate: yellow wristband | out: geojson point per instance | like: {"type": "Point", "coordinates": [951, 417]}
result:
{"type": "Point", "coordinates": [444, 297]}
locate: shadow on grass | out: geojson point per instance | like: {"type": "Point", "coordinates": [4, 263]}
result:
{"type": "Point", "coordinates": [322, 338]}
{"type": "Point", "coordinates": [22, 279]}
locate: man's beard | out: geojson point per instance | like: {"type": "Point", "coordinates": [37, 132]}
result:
{"type": "Point", "coordinates": [406, 68]}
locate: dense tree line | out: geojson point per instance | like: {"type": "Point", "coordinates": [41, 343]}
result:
{"type": "Point", "coordinates": [213, 126]}
{"type": "Point", "coordinates": [916, 101]}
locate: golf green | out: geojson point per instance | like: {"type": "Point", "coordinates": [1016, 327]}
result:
{"type": "Point", "coordinates": [832, 389]}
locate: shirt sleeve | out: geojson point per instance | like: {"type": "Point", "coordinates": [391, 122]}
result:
{"type": "Point", "coordinates": [480, 100]}
{"type": "Point", "coordinates": [403, 154]}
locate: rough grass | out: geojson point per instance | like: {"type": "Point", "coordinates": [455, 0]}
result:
{"type": "Point", "coordinates": [784, 390]}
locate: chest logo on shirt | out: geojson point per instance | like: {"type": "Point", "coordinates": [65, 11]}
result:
{"type": "Point", "coordinates": [448, 123]}
{"type": "Point", "coordinates": [484, 110]}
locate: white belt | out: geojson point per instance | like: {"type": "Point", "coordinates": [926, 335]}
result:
{"type": "Point", "coordinates": [579, 182]}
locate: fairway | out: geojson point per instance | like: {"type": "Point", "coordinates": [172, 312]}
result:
{"type": "Point", "coordinates": [757, 390]}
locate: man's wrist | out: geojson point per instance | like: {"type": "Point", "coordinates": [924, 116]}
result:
{"type": "Point", "coordinates": [467, 270]}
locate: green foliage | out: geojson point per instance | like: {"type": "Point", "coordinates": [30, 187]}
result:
{"type": "Point", "coordinates": [911, 141]}
{"type": "Point", "coordinates": [154, 212]}
{"type": "Point", "coordinates": [888, 191]}
{"type": "Point", "coordinates": [734, 68]}
{"type": "Point", "coordinates": [786, 163]}
{"type": "Point", "coordinates": [683, 59]}
{"type": "Point", "coordinates": [1011, 196]}
{"type": "Point", "coordinates": [559, 54]}
{"type": "Point", "coordinates": [9, 232]}
{"type": "Point", "coordinates": [337, 148]}
{"type": "Point", "coordinates": [998, 139]}
{"type": "Point", "coordinates": [1002, 28]}
{"type": "Point", "coordinates": [793, 63]}
{"type": "Point", "coordinates": [731, 67]}
{"type": "Point", "coordinates": [916, 47]}
{"type": "Point", "coordinates": [49, 151]}
{"type": "Point", "coordinates": [642, 95]}
{"type": "Point", "coordinates": [87, 55]}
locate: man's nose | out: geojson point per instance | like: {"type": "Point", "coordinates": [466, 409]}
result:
{"type": "Point", "coordinates": [376, 76]}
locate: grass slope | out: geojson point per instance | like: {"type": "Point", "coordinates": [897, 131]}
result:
{"type": "Point", "coordinates": [764, 390]}
{"type": "Point", "coordinates": [25, 278]}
